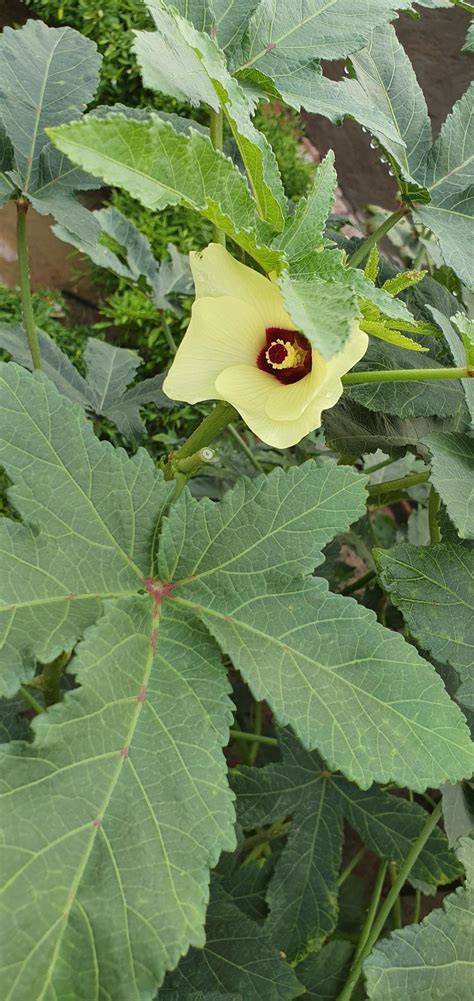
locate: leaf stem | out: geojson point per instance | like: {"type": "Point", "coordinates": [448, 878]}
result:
{"type": "Point", "coordinates": [364, 250]}
{"type": "Point", "coordinates": [38, 708]}
{"type": "Point", "coordinates": [258, 737]}
{"type": "Point", "coordinates": [209, 428]}
{"type": "Point", "coordinates": [25, 285]}
{"type": "Point", "coordinates": [397, 907]}
{"type": "Point", "coordinates": [216, 128]}
{"type": "Point", "coordinates": [402, 483]}
{"type": "Point", "coordinates": [257, 733]}
{"type": "Point", "coordinates": [379, 922]}
{"type": "Point", "coordinates": [434, 502]}
{"type": "Point", "coordinates": [167, 332]}
{"type": "Point", "coordinates": [345, 873]}
{"type": "Point", "coordinates": [406, 375]}
{"type": "Point", "coordinates": [371, 913]}
{"type": "Point", "coordinates": [357, 584]}
{"type": "Point", "coordinates": [245, 448]}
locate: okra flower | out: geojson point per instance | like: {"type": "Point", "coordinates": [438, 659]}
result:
{"type": "Point", "coordinates": [242, 347]}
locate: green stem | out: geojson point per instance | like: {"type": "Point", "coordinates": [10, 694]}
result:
{"type": "Point", "coordinates": [345, 873]}
{"type": "Point", "coordinates": [38, 708]}
{"type": "Point", "coordinates": [210, 428]}
{"type": "Point", "coordinates": [257, 733]}
{"type": "Point", "coordinates": [364, 250]}
{"type": "Point", "coordinates": [406, 375]}
{"type": "Point", "coordinates": [216, 126]}
{"type": "Point", "coordinates": [51, 675]}
{"type": "Point", "coordinates": [260, 737]}
{"type": "Point", "coordinates": [367, 926]}
{"type": "Point", "coordinates": [360, 582]}
{"type": "Point", "coordinates": [397, 907]}
{"type": "Point", "coordinates": [379, 922]}
{"type": "Point", "coordinates": [25, 286]}
{"type": "Point", "coordinates": [380, 465]}
{"type": "Point", "coordinates": [402, 483]}
{"type": "Point", "coordinates": [433, 508]}
{"type": "Point", "coordinates": [168, 335]}
{"type": "Point", "coordinates": [277, 830]}
{"type": "Point", "coordinates": [416, 910]}
{"type": "Point", "coordinates": [244, 448]}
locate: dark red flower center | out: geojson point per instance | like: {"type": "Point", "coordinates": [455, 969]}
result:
{"type": "Point", "coordinates": [286, 354]}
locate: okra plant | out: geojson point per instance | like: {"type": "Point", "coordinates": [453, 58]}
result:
{"type": "Point", "coordinates": [237, 757]}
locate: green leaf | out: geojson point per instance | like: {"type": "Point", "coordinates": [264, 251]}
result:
{"type": "Point", "coordinates": [448, 174]}
{"type": "Point", "coordinates": [13, 724]}
{"type": "Point", "coordinates": [47, 76]}
{"type": "Point", "coordinates": [238, 955]}
{"type": "Point", "coordinates": [280, 522]}
{"type": "Point", "coordinates": [134, 854]}
{"type": "Point", "coordinates": [322, 295]}
{"type": "Point", "coordinates": [452, 464]}
{"type": "Point", "coordinates": [373, 707]}
{"type": "Point", "coordinates": [159, 52]}
{"type": "Point", "coordinates": [231, 18]}
{"type": "Point", "coordinates": [434, 959]}
{"type": "Point", "coordinates": [161, 167]}
{"type": "Point", "coordinates": [458, 350]}
{"type": "Point", "coordinates": [278, 33]}
{"type": "Point", "coordinates": [304, 232]}
{"type": "Point", "coordinates": [387, 77]}
{"type": "Point", "coordinates": [303, 892]}
{"type": "Point", "coordinates": [466, 329]}
{"type": "Point", "coordinates": [7, 187]}
{"type": "Point", "coordinates": [440, 397]}
{"type": "Point", "coordinates": [325, 973]}
{"type": "Point", "coordinates": [384, 333]}
{"type": "Point", "coordinates": [199, 12]}
{"type": "Point", "coordinates": [458, 810]}
{"type": "Point", "coordinates": [104, 390]}
{"type": "Point", "coordinates": [433, 586]}
{"type": "Point", "coordinates": [96, 543]}
{"type": "Point", "coordinates": [193, 47]}
{"type": "Point", "coordinates": [469, 43]}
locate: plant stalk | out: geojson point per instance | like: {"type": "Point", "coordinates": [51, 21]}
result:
{"type": "Point", "coordinates": [216, 128]}
{"type": "Point", "coordinates": [210, 428]}
{"type": "Point", "coordinates": [434, 503]}
{"type": "Point", "coordinates": [397, 907]}
{"type": "Point", "coordinates": [406, 375]}
{"type": "Point", "coordinates": [28, 697]}
{"type": "Point", "coordinates": [257, 733]}
{"type": "Point", "coordinates": [379, 922]}
{"type": "Point", "coordinates": [253, 737]}
{"type": "Point", "coordinates": [239, 441]}
{"type": "Point", "coordinates": [402, 483]}
{"type": "Point", "coordinates": [25, 285]}
{"type": "Point", "coordinates": [468, 7]}
{"type": "Point", "coordinates": [364, 250]}
{"type": "Point", "coordinates": [345, 873]}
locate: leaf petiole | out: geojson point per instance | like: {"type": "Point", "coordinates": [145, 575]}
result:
{"type": "Point", "coordinates": [25, 287]}
{"type": "Point", "coordinates": [364, 250]}
{"type": "Point", "coordinates": [406, 375]}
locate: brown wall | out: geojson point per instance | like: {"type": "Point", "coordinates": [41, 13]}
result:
{"type": "Point", "coordinates": [444, 72]}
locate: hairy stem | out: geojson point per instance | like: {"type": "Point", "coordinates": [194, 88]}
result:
{"type": "Point", "coordinates": [406, 375]}
{"type": "Point", "coordinates": [379, 922]}
{"type": "Point", "coordinates": [469, 7]}
{"type": "Point", "coordinates": [257, 733]}
{"type": "Point", "coordinates": [216, 125]}
{"type": "Point", "coordinates": [364, 250]}
{"type": "Point", "coordinates": [25, 286]}
{"type": "Point", "coordinates": [397, 907]}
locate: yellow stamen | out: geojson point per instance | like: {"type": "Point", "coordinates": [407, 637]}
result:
{"type": "Point", "coordinates": [295, 355]}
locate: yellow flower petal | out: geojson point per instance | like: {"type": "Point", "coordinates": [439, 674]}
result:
{"type": "Point", "coordinates": [217, 273]}
{"type": "Point", "coordinates": [222, 332]}
{"type": "Point", "coordinates": [248, 390]}
{"type": "Point", "coordinates": [289, 402]}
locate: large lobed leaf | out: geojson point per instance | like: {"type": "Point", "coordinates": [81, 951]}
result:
{"type": "Point", "coordinates": [303, 890]}
{"type": "Point", "coordinates": [135, 854]}
{"type": "Point", "coordinates": [434, 959]}
{"type": "Point", "coordinates": [161, 167]}
{"type": "Point", "coordinates": [452, 463]}
{"type": "Point", "coordinates": [433, 586]}
{"type": "Point", "coordinates": [200, 58]}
